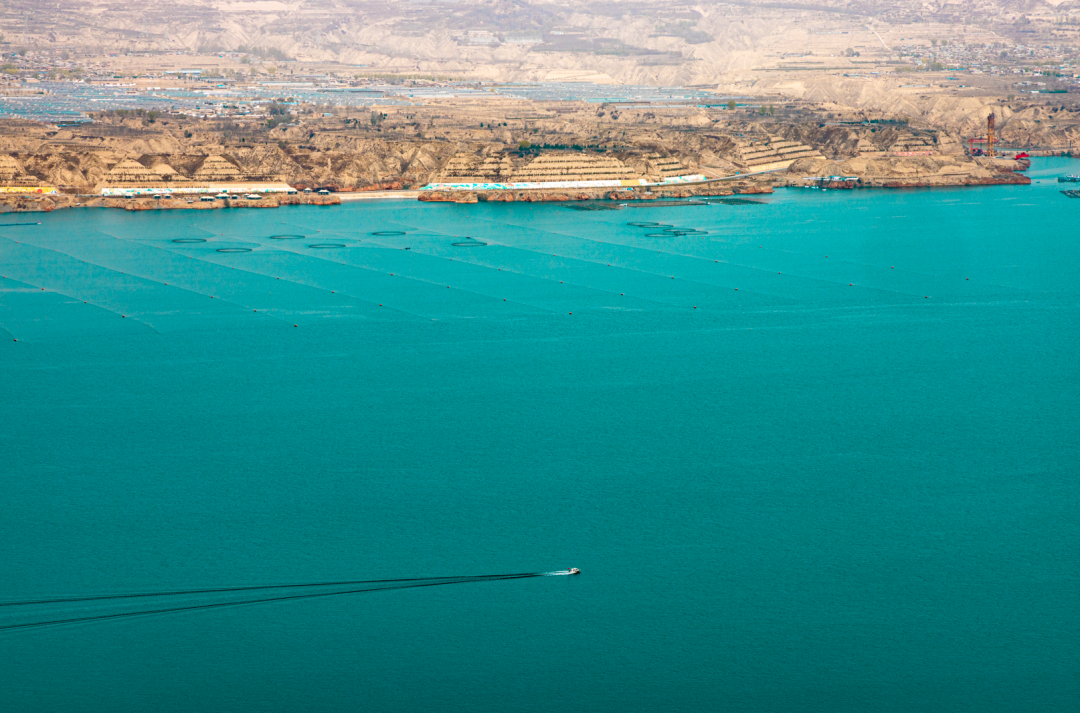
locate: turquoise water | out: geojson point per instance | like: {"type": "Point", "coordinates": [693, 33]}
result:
{"type": "Point", "coordinates": [820, 458]}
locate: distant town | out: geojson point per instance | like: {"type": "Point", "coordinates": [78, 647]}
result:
{"type": "Point", "coordinates": [201, 99]}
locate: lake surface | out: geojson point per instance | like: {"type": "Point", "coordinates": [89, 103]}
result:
{"type": "Point", "coordinates": [822, 457]}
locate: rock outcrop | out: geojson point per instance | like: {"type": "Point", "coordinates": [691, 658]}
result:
{"type": "Point", "coordinates": [908, 171]}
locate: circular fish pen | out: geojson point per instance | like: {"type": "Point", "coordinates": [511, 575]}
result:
{"type": "Point", "coordinates": [234, 250]}
{"type": "Point", "coordinates": [185, 241]}
{"type": "Point", "coordinates": [469, 243]}
{"type": "Point", "coordinates": [389, 232]}
{"type": "Point", "coordinates": [287, 237]}
{"type": "Point", "coordinates": [326, 246]}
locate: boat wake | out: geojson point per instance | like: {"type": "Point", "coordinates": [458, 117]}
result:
{"type": "Point", "coordinates": [49, 611]}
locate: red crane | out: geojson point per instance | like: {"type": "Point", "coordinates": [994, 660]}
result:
{"type": "Point", "coordinates": [988, 140]}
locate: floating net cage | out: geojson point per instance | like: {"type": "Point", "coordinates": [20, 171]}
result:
{"type": "Point", "coordinates": [676, 232]}
{"type": "Point", "coordinates": [326, 246]}
{"type": "Point", "coordinates": [184, 241]}
{"type": "Point", "coordinates": [469, 243]}
{"type": "Point", "coordinates": [735, 201]}
{"type": "Point", "coordinates": [234, 250]}
{"type": "Point", "coordinates": [287, 237]}
{"type": "Point", "coordinates": [646, 224]}
{"type": "Point", "coordinates": [662, 204]}
{"type": "Point", "coordinates": [593, 206]}
{"type": "Point", "coordinates": [389, 232]}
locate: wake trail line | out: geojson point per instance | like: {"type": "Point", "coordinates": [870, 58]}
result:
{"type": "Point", "coordinates": [179, 592]}
{"type": "Point", "coordinates": [293, 597]}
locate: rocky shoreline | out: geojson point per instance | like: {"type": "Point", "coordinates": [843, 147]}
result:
{"type": "Point", "coordinates": [1001, 179]}
{"type": "Point", "coordinates": [30, 203]}
{"type": "Point", "coordinates": [909, 172]}
{"type": "Point", "coordinates": [990, 178]}
{"type": "Point", "coordinates": [542, 196]}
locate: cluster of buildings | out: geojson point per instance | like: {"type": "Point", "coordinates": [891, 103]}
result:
{"type": "Point", "coordinates": [1059, 62]}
